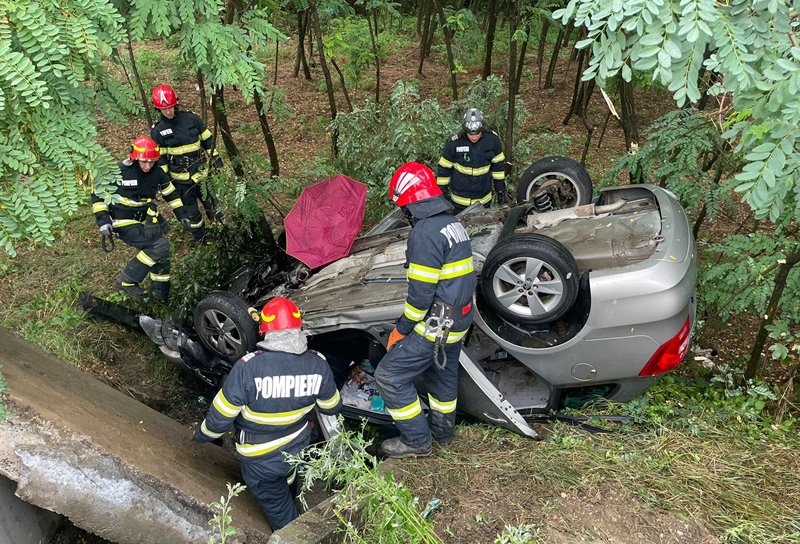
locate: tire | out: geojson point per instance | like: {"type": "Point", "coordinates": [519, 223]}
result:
{"type": "Point", "coordinates": [565, 182]}
{"type": "Point", "coordinates": [543, 298]}
{"type": "Point", "coordinates": [224, 325]}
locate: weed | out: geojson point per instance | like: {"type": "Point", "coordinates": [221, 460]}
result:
{"type": "Point", "coordinates": [372, 505]}
{"type": "Point", "coordinates": [519, 534]}
{"type": "Point", "coordinates": [222, 522]}
{"type": "Point", "coordinates": [3, 389]}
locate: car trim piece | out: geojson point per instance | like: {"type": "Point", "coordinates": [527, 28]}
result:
{"type": "Point", "coordinates": [508, 417]}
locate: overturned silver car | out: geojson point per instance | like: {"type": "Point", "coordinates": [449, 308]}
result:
{"type": "Point", "coordinates": [576, 300]}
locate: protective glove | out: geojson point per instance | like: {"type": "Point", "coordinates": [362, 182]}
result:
{"type": "Point", "coordinates": [394, 337]}
{"type": "Point", "coordinates": [106, 230]}
{"type": "Point", "coordinates": [217, 162]}
{"type": "Point", "coordinates": [501, 198]}
{"type": "Point", "coordinates": [187, 224]}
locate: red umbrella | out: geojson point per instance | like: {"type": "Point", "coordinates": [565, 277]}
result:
{"type": "Point", "coordinates": [325, 220]}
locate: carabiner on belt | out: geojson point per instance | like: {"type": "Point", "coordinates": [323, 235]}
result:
{"type": "Point", "coordinates": [439, 325]}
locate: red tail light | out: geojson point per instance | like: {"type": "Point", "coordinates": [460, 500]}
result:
{"type": "Point", "coordinates": [670, 354]}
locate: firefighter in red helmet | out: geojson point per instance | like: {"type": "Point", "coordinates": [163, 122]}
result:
{"type": "Point", "coordinates": [437, 315]}
{"type": "Point", "coordinates": [132, 214]}
{"type": "Point", "coordinates": [187, 146]}
{"type": "Point", "coordinates": [268, 400]}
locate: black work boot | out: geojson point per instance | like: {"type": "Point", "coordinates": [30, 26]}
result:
{"type": "Point", "coordinates": [133, 290]}
{"type": "Point", "coordinates": [394, 447]}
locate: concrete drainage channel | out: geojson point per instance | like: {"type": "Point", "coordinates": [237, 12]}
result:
{"type": "Point", "coordinates": [116, 468]}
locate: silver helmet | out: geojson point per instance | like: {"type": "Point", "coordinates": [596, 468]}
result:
{"type": "Point", "coordinates": [473, 121]}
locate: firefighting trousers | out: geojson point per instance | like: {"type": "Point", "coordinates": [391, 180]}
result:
{"type": "Point", "coordinates": [152, 259]}
{"type": "Point", "coordinates": [190, 192]}
{"type": "Point", "coordinates": [269, 481]}
{"type": "Point", "coordinates": [408, 358]}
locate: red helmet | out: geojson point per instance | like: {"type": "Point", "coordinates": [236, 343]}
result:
{"type": "Point", "coordinates": [144, 149]}
{"type": "Point", "coordinates": [279, 314]}
{"type": "Point", "coordinates": [411, 183]}
{"type": "Point", "coordinates": [164, 97]}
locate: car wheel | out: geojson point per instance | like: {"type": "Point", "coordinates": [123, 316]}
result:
{"type": "Point", "coordinates": [530, 279]}
{"type": "Point", "coordinates": [223, 323]}
{"type": "Point", "coordinates": [555, 183]}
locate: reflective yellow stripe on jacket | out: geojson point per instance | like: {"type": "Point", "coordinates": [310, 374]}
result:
{"type": "Point", "coordinates": [466, 170]}
{"type": "Point", "coordinates": [183, 149]}
{"type": "Point", "coordinates": [254, 450]}
{"type": "Point", "coordinates": [224, 407]}
{"type": "Point", "coordinates": [276, 418]}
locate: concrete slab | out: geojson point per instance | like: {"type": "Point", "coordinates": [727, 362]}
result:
{"type": "Point", "coordinates": [115, 467]}
{"type": "Point", "coordinates": [23, 523]}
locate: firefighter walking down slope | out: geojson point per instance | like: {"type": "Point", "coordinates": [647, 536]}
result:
{"type": "Point", "coordinates": [437, 314]}
{"type": "Point", "coordinates": [268, 399]}
{"type": "Point", "coordinates": [187, 146]}
{"type": "Point", "coordinates": [472, 164]}
{"type": "Point", "coordinates": [133, 216]}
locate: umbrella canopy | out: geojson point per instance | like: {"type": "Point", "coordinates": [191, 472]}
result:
{"type": "Point", "coordinates": [325, 220]}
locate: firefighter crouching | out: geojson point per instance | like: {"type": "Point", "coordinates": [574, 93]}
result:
{"type": "Point", "coordinates": [438, 312]}
{"type": "Point", "coordinates": [473, 163]}
{"type": "Point", "coordinates": [186, 145]}
{"type": "Point", "coordinates": [133, 216]}
{"type": "Point", "coordinates": [268, 400]}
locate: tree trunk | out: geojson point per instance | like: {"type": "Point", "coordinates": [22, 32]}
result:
{"type": "Point", "coordinates": [267, 133]}
{"type": "Point", "coordinates": [769, 314]}
{"type": "Point", "coordinates": [491, 26]}
{"type": "Point", "coordinates": [630, 125]}
{"type": "Point", "coordinates": [425, 6]}
{"type": "Point", "coordinates": [302, 30]}
{"type": "Point", "coordinates": [520, 65]}
{"type": "Point", "coordinates": [373, 31]}
{"type": "Point", "coordinates": [513, 22]}
{"type": "Point", "coordinates": [551, 68]}
{"type": "Point", "coordinates": [275, 67]}
{"type": "Point", "coordinates": [221, 118]}
{"type": "Point", "coordinates": [326, 72]}
{"type": "Point", "coordinates": [448, 38]}
{"type": "Point", "coordinates": [201, 85]}
{"type": "Point", "coordinates": [344, 86]}
{"type": "Point", "coordinates": [143, 95]}
{"type": "Point", "coordinates": [540, 48]}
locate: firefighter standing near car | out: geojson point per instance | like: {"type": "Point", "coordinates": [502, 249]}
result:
{"type": "Point", "coordinates": [187, 146]}
{"type": "Point", "coordinates": [133, 216]}
{"type": "Point", "coordinates": [473, 163]}
{"type": "Point", "coordinates": [437, 314]}
{"type": "Point", "coordinates": [268, 400]}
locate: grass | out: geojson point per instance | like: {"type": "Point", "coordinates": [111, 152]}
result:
{"type": "Point", "coordinates": [736, 479]}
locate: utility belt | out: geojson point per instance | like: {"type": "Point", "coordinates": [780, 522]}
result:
{"type": "Point", "coordinates": [250, 437]}
{"type": "Point", "coordinates": [143, 214]}
{"type": "Point", "coordinates": [436, 327]}
{"type": "Point", "coordinates": [187, 160]}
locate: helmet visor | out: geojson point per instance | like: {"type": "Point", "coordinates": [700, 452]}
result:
{"type": "Point", "coordinates": [473, 126]}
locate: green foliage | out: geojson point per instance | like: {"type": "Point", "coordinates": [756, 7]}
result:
{"type": "Point", "coordinates": [225, 53]}
{"type": "Point", "coordinates": [518, 534]}
{"type": "Point", "coordinates": [372, 505]}
{"type": "Point", "coordinates": [3, 389]}
{"type": "Point", "coordinates": [787, 342]}
{"type": "Point", "coordinates": [222, 522]}
{"type": "Point", "coordinates": [51, 82]}
{"type": "Point", "coordinates": [374, 140]}
{"type": "Point", "coordinates": [718, 400]}
{"type": "Point", "coordinates": [752, 49]}
{"type": "Point", "coordinates": [683, 152]}
{"type": "Point", "coordinates": [747, 271]}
